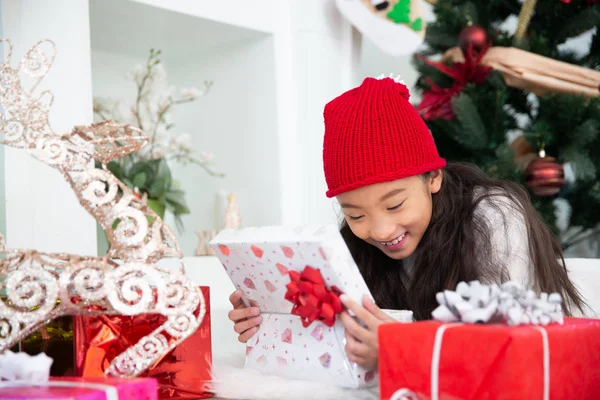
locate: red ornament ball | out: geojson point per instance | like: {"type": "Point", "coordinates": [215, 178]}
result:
{"type": "Point", "coordinates": [474, 35]}
{"type": "Point", "coordinates": [545, 177]}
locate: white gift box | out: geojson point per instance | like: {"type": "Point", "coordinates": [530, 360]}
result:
{"type": "Point", "coordinates": [258, 260]}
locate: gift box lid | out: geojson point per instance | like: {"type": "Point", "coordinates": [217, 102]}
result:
{"type": "Point", "coordinates": [258, 260]}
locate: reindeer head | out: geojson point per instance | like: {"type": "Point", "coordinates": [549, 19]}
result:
{"type": "Point", "coordinates": [24, 122]}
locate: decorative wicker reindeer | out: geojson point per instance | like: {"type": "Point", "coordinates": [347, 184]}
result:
{"type": "Point", "coordinates": [40, 286]}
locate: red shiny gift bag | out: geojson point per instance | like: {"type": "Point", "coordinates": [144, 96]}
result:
{"type": "Point", "coordinates": [431, 360]}
{"type": "Point", "coordinates": [182, 374]}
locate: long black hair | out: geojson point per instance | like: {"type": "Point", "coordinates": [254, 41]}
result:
{"type": "Point", "coordinates": [457, 246]}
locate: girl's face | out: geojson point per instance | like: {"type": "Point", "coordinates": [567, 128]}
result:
{"type": "Point", "coordinates": [392, 216]}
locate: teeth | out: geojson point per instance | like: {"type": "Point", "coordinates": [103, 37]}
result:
{"type": "Point", "coordinates": [393, 242]}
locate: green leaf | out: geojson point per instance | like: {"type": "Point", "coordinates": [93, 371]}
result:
{"type": "Point", "coordinates": [473, 134]}
{"type": "Point", "coordinates": [115, 168]}
{"type": "Point", "coordinates": [140, 179]}
{"type": "Point", "coordinates": [128, 183]}
{"type": "Point", "coordinates": [176, 197]}
{"type": "Point", "coordinates": [180, 210]}
{"type": "Point", "coordinates": [178, 223]}
{"type": "Point", "coordinates": [142, 166]}
{"type": "Point", "coordinates": [582, 22]}
{"type": "Point", "coordinates": [157, 187]}
{"type": "Point", "coordinates": [163, 171]}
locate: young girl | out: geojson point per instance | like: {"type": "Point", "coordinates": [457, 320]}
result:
{"type": "Point", "coordinates": [416, 225]}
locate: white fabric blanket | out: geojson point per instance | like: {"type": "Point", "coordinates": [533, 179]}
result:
{"type": "Point", "coordinates": [232, 381]}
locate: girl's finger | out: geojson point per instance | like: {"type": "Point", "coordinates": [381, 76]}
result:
{"type": "Point", "coordinates": [244, 337]}
{"type": "Point", "coordinates": [243, 326]}
{"type": "Point", "coordinates": [354, 328]}
{"type": "Point", "coordinates": [377, 312]}
{"type": "Point", "coordinates": [236, 299]}
{"type": "Point", "coordinates": [358, 360]}
{"type": "Point", "coordinates": [361, 313]}
{"type": "Point", "coordinates": [356, 348]}
{"type": "Point", "coordinates": [240, 314]}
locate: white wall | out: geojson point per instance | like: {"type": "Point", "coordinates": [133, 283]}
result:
{"type": "Point", "coordinates": [318, 59]}
{"type": "Point", "coordinates": [237, 121]}
{"type": "Point", "coordinates": [260, 15]}
{"type": "Point", "coordinates": [263, 117]}
{"type": "Point", "coordinates": [42, 212]}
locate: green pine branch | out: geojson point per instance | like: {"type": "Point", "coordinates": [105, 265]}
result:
{"type": "Point", "coordinates": [587, 19]}
{"type": "Point", "coordinates": [474, 133]}
{"type": "Point", "coordinates": [586, 133]}
{"type": "Point", "coordinates": [582, 164]}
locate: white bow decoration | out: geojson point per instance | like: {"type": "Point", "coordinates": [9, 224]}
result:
{"type": "Point", "coordinates": [24, 367]}
{"type": "Point", "coordinates": [511, 302]}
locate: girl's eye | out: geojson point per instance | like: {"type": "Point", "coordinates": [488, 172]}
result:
{"type": "Point", "coordinates": [355, 218]}
{"type": "Point", "coordinates": [397, 206]}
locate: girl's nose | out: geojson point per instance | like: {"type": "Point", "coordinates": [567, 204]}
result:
{"type": "Point", "coordinates": [383, 231]}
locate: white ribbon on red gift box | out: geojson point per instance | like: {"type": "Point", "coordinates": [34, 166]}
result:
{"type": "Point", "coordinates": [110, 392]}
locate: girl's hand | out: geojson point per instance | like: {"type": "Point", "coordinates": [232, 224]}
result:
{"type": "Point", "coordinates": [246, 319]}
{"type": "Point", "coordinates": [362, 344]}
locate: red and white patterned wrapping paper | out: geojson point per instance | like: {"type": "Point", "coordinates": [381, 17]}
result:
{"type": "Point", "coordinates": [258, 260]}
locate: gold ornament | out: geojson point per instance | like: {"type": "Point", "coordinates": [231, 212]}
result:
{"type": "Point", "coordinates": [43, 286]}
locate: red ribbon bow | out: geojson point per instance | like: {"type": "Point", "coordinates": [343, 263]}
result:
{"type": "Point", "coordinates": [312, 299]}
{"type": "Point", "coordinates": [436, 102]}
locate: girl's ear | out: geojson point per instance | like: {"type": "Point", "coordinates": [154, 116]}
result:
{"type": "Point", "coordinates": [435, 180]}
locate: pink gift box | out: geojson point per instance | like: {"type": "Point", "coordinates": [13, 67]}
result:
{"type": "Point", "coordinates": [82, 389]}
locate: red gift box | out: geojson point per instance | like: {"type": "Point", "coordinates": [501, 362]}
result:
{"type": "Point", "coordinates": [431, 360]}
{"type": "Point", "coordinates": [81, 389]}
{"type": "Point", "coordinates": [183, 373]}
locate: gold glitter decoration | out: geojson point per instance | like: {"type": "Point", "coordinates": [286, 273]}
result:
{"type": "Point", "coordinates": [524, 18]}
{"type": "Point", "coordinates": [42, 286]}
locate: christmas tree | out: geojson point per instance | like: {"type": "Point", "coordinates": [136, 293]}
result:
{"type": "Point", "coordinates": [484, 84]}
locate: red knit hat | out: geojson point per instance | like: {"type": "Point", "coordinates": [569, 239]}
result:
{"type": "Point", "coordinates": [372, 135]}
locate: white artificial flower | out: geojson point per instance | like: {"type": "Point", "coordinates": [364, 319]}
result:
{"type": "Point", "coordinates": [207, 156]}
{"type": "Point", "coordinates": [168, 118]}
{"type": "Point", "coordinates": [164, 100]}
{"type": "Point", "coordinates": [151, 105]}
{"type": "Point", "coordinates": [158, 73]}
{"type": "Point", "coordinates": [159, 152]}
{"type": "Point", "coordinates": [189, 94]}
{"type": "Point", "coordinates": [184, 141]}
{"type": "Point", "coordinates": [137, 73]}
{"type": "Point", "coordinates": [162, 136]}
{"type": "Point", "coordinates": [124, 112]}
